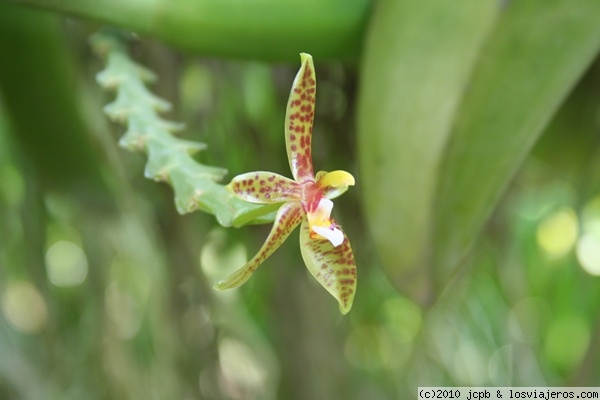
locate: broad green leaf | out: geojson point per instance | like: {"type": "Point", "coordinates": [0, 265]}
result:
{"type": "Point", "coordinates": [417, 61]}
{"type": "Point", "coordinates": [451, 103]}
{"type": "Point", "coordinates": [255, 29]}
{"type": "Point", "coordinates": [536, 53]}
{"type": "Point", "coordinates": [570, 142]}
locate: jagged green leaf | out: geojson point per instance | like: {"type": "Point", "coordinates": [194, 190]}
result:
{"type": "Point", "coordinates": [170, 159]}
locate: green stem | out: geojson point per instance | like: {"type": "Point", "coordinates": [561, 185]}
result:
{"type": "Point", "coordinates": [270, 30]}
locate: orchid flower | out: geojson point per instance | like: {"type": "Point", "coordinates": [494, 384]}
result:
{"type": "Point", "coordinates": [306, 200]}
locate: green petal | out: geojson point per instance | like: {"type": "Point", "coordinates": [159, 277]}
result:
{"type": "Point", "coordinates": [333, 267]}
{"type": "Point", "coordinates": [265, 188]}
{"type": "Point", "coordinates": [288, 217]}
{"type": "Point", "coordinates": [299, 120]}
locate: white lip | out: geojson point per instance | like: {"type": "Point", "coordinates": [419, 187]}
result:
{"type": "Point", "coordinates": [334, 235]}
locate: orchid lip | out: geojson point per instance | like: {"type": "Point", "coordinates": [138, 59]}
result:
{"type": "Point", "coordinates": [321, 215]}
{"type": "Point", "coordinates": [331, 233]}
{"type": "Point", "coordinates": [320, 223]}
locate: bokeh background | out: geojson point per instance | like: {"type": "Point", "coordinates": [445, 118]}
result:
{"type": "Point", "coordinates": [106, 291]}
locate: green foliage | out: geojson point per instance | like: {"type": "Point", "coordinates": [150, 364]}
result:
{"type": "Point", "coordinates": [49, 120]}
{"type": "Point", "coordinates": [477, 122]}
{"type": "Point", "coordinates": [411, 89]}
{"type": "Point", "coordinates": [265, 29]}
{"type": "Point", "coordinates": [522, 77]}
{"type": "Point", "coordinates": [169, 158]}
{"type": "Point", "coordinates": [453, 99]}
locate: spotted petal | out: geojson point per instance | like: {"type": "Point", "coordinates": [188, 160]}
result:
{"type": "Point", "coordinates": [299, 120]}
{"type": "Point", "coordinates": [288, 217]}
{"type": "Point", "coordinates": [265, 188]}
{"type": "Point", "coordinates": [333, 267]}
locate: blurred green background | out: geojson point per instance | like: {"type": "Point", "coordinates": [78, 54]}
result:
{"type": "Point", "coordinates": [474, 136]}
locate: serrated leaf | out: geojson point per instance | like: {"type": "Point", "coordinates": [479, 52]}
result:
{"type": "Point", "coordinates": [169, 158]}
